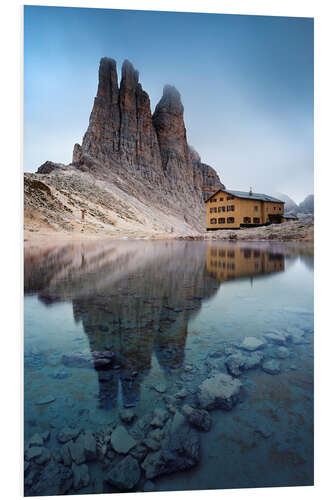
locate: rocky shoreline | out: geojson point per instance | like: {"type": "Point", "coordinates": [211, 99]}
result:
{"type": "Point", "coordinates": [133, 451]}
{"type": "Point", "coordinates": [290, 231]}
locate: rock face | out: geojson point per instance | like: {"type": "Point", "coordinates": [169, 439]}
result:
{"type": "Point", "coordinates": [122, 131]}
{"type": "Point", "coordinates": [120, 126]}
{"type": "Point", "coordinates": [124, 138]}
{"type": "Point", "coordinates": [134, 171]}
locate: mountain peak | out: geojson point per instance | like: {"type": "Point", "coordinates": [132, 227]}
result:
{"type": "Point", "coordinates": [124, 139]}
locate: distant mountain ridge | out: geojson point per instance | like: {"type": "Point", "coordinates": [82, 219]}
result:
{"type": "Point", "coordinates": [305, 208]}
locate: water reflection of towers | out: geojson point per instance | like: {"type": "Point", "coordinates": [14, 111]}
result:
{"type": "Point", "coordinates": [134, 328]}
{"type": "Point", "coordinates": [134, 299]}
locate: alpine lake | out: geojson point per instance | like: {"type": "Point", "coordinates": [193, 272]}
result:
{"type": "Point", "coordinates": [167, 365]}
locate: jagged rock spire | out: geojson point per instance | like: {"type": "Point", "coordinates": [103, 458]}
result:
{"type": "Point", "coordinates": [120, 126]}
{"type": "Point", "coordinates": [124, 136]}
{"type": "Point", "coordinates": [168, 120]}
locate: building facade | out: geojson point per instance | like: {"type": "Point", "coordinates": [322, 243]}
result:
{"type": "Point", "coordinates": [236, 209]}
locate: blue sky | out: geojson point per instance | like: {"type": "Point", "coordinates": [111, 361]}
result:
{"type": "Point", "coordinates": [246, 84]}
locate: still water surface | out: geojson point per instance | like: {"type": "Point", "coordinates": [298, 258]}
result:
{"type": "Point", "coordinates": [171, 312]}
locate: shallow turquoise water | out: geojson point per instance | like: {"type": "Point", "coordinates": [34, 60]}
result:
{"type": "Point", "coordinates": [168, 310]}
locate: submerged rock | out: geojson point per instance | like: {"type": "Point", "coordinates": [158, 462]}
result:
{"type": "Point", "coordinates": [121, 440]}
{"type": "Point", "coordinates": [219, 391]}
{"type": "Point", "coordinates": [77, 451]}
{"type": "Point", "coordinates": [126, 474]}
{"type": "Point", "coordinates": [55, 479]}
{"type": "Point", "coordinates": [282, 352]}
{"type": "Point", "coordinates": [159, 418]}
{"type": "Point", "coordinates": [297, 338]}
{"type": "Point", "coordinates": [152, 444]}
{"type": "Point", "coordinates": [149, 486]}
{"type": "Point", "coordinates": [275, 338]}
{"type": "Point", "coordinates": [89, 445]}
{"type": "Point", "coordinates": [36, 440]}
{"type": "Point", "coordinates": [252, 343]}
{"type": "Point", "coordinates": [181, 394]}
{"type": "Point", "coordinates": [271, 366]}
{"type": "Point", "coordinates": [198, 418]}
{"type": "Point", "coordinates": [180, 450]}
{"type": "Point", "coordinates": [139, 452]}
{"type": "Point", "coordinates": [44, 457]}
{"type": "Point", "coordinates": [240, 362]}
{"type": "Point", "coordinates": [264, 430]}
{"type": "Point", "coordinates": [45, 435]}
{"type": "Point", "coordinates": [81, 477]}
{"type": "Point", "coordinates": [127, 416]}
{"type": "Point", "coordinates": [33, 452]}
{"type": "Point", "coordinates": [65, 455]}
{"type": "Point", "coordinates": [67, 433]}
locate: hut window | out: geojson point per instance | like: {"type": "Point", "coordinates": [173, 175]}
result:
{"type": "Point", "coordinates": [230, 220]}
{"type": "Point", "coordinates": [256, 208]}
{"type": "Point", "coordinates": [247, 220]}
{"type": "Point", "coordinates": [230, 208]}
{"type": "Point", "coordinates": [256, 220]}
{"type": "Point", "coordinates": [221, 209]}
{"type": "Point", "coordinates": [221, 199]}
{"type": "Point", "coordinates": [221, 220]}
{"type": "Point", "coordinates": [230, 197]}
{"type": "Point", "coordinates": [213, 221]}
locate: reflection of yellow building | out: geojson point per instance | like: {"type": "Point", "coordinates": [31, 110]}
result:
{"type": "Point", "coordinates": [226, 264]}
{"type": "Point", "coordinates": [236, 209]}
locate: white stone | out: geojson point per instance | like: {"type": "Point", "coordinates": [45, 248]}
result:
{"type": "Point", "coordinates": [219, 391]}
{"type": "Point", "coordinates": [252, 343]}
